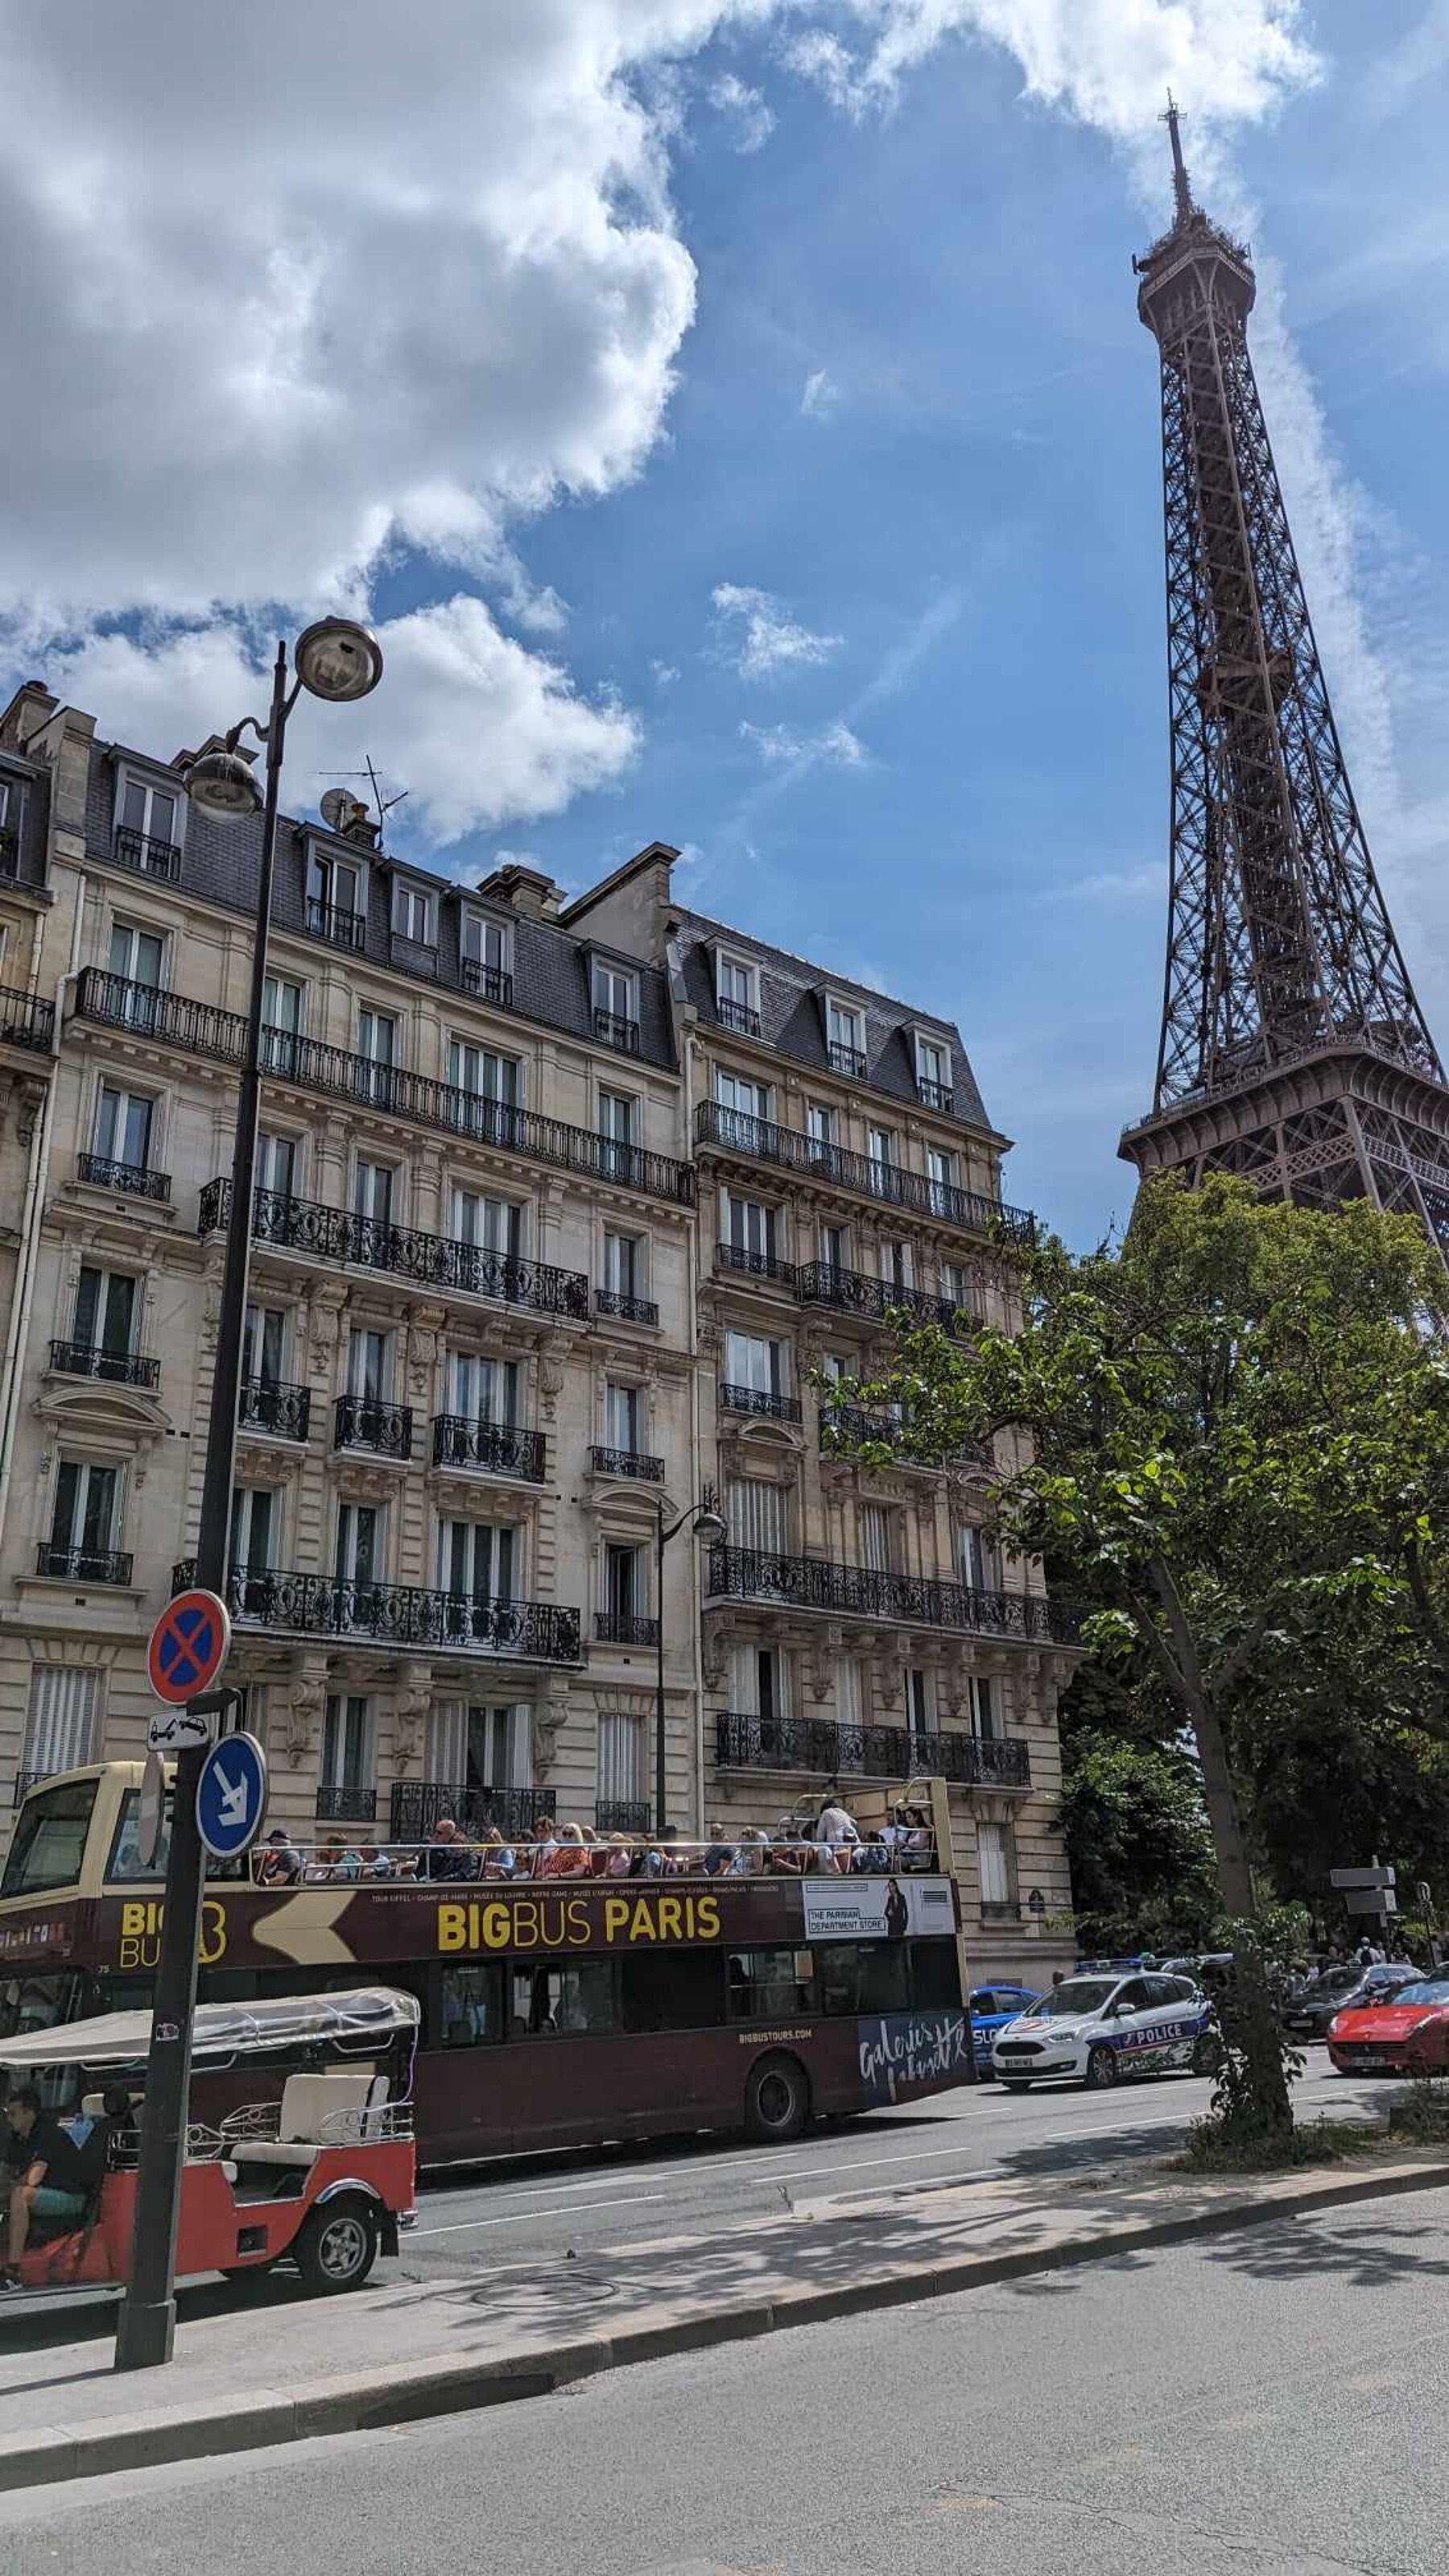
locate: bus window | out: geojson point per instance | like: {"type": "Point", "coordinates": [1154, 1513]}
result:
{"type": "Point", "coordinates": [862, 1977]}
{"type": "Point", "coordinates": [770, 1985]}
{"type": "Point", "coordinates": [839, 1977]}
{"type": "Point", "coordinates": [472, 2006]}
{"type": "Point", "coordinates": [50, 1839]}
{"type": "Point", "coordinates": [125, 1861]}
{"type": "Point", "coordinates": [935, 1976]}
{"type": "Point", "coordinates": [35, 2003]}
{"type": "Point", "coordinates": [672, 1990]}
{"type": "Point", "coordinates": [576, 1998]}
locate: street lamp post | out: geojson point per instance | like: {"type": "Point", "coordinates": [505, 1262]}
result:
{"type": "Point", "coordinates": [706, 1523]}
{"type": "Point", "coordinates": [338, 661]}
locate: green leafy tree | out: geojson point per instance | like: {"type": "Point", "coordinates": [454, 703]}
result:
{"type": "Point", "coordinates": [1235, 1431]}
{"type": "Point", "coordinates": [1138, 1841]}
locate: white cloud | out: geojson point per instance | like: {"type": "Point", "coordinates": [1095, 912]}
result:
{"type": "Point", "coordinates": [767, 638]}
{"type": "Point", "coordinates": [1146, 883]}
{"type": "Point", "coordinates": [834, 746]}
{"type": "Point", "coordinates": [665, 674]}
{"type": "Point", "coordinates": [746, 111]}
{"type": "Point", "coordinates": [820, 396]}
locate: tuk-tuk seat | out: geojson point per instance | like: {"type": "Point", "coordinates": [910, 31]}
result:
{"type": "Point", "coordinates": [308, 2103]}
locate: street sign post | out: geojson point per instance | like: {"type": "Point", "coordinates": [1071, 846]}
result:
{"type": "Point", "coordinates": [189, 1644]}
{"type": "Point", "coordinates": [174, 1730]}
{"type": "Point", "coordinates": [1378, 1876]}
{"type": "Point", "coordinates": [1378, 1901]}
{"type": "Point", "coordinates": [151, 1811]}
{"type": "Point", "coordinates": [231, 1796]}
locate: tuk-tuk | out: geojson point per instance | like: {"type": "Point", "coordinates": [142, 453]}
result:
{"type": "Point", "coordinates": [321, 2173]}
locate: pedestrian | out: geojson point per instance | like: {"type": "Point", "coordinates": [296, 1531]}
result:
{"type": "Point", "coordinates": [54, 2176]}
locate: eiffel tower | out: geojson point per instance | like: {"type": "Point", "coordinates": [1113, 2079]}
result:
{"type": "Point", "coordinates": [1293, 1049]}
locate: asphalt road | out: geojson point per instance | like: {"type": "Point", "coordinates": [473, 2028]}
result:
{"type": "Point", "coordinates": [1267, 2404]}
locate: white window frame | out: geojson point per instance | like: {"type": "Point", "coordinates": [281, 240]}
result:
{"type": "Point", "coordinates": [997, 1840]}
{"type": "Point", "coordinates": [129, 773]}
{"type": "Point", "coordinates": [758, 1230]}
{"type": "Point", "coordinates": [364, 1163]}
{"type": "Point", "coordinates": [155, 1101]}
{"type": "Point", "coordinates": [728, 961]}
{"type": "Point", "coordinates": [110, 1545]}
{"type": "Point", "coordinates": [637, 1263]}
{"type": "Point", "coordinates": [254, 1334]}
{"type": "Point", "coordinates": [486, 926]}
{"type": "Point", "coordinates": [929, 1044]}
{"type": "Point", "coordinates": [471, 1055]}
{"type": "Point", "coordinates": [725, 1073]}
{"type": "Point", "coordinates": [408, 892]}
{"type": "Point", "coordinates": [243, 1508]}
{"type": "Point", "coordinates": [622, 1754]}
{"type": "Point", "coordinates": [105, 1273]}
{"type": "Point", "coordinates": [777, 1363]}
{"type": "Point", "coordinates": [131, 930]}
{"type": "Point", "coordinates": [336, 1719]}
{"type": "Point", "coordinates": [623, 1406]}
{"type": "Point", "coordinates": [322, 868]}
{"type": "Point", "coordinates": [346, 1519]}
{"type": "Point", "coordinates": [285, 989]}
{"type": "Point", "coordinates": [838, 1008]}
{"type": "Point", "coordinates": [271, 1140]}
{"type": "Point", "coordinates": [467, 1193]}
{"type": "Point", "coordinates": [625, 977]}
{"type": "Point", "coordinates": [359, 1339]}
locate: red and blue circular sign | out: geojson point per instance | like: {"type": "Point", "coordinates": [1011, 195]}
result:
{"type": "Point", "coordinates": [189, 1644]}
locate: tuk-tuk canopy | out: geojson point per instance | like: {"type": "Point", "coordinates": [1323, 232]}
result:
{"type": "Point", "coordinates": [359, 2018]}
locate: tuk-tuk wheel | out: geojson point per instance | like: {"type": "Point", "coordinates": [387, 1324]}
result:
{"type": "Point", "coordinates": [337, 2248]}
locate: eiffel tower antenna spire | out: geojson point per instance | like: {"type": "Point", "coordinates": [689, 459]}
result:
{"type": "Point", "coordinates": [1179, 167]}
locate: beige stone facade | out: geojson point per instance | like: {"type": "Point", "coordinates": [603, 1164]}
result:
{"type": "Point", "coordinates": [560, 1207]}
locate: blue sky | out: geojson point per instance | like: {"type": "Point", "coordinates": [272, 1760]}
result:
{"type": "Point", "coordinates": [854, 590]}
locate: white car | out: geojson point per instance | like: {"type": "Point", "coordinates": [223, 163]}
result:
{"type": "Point", "coordinates": [1098, 2030]}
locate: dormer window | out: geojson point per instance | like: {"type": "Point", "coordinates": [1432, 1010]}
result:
{"type": "Point", "coordinates": [845, 1037]}
{"type": "Point", "coordinates": [148, 827]}
{"type": "Point", "coordinates": [933, 1073]}
{"type": "Point", "coordinates": [336, 899]}
{"type": "Point", "coordinates": [737, 994]}
{"type": "Point", "coordinates": [485, 952]}
{"type": "Point", "coordinates": [616, 1007]}
{"type": "Point", "coordinates": [414, 939]}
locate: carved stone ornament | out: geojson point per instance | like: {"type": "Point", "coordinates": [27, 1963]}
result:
{"type": "Point", "coordinates": [305, 1702]}
{"type": "Point", "coordinates": [548, 1718]}
{"type": "Point", "coordinates": [824, 1658]}
{"type": "Point", "coordinates": [717, 1641]}
{"type": "Point", "coordinates": [422, 1358]}
{"type": "Point", "coordinates": [410, 1714]}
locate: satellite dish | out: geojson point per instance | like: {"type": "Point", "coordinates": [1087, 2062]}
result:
{"type": "Point", "coordinates": [338, 808]}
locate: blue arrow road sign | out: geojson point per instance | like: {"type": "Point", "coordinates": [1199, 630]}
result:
{"type": "Point", "coordinates": [231, 1796]}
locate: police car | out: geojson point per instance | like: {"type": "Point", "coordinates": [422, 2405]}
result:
{"type": "Point", "coordinates": [1099, 2030]}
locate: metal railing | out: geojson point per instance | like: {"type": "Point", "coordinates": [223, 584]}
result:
{"type": "Point", "coordinates": [634, 1310]}
{"type": "Point", "coordinates": [624, 1628]}
{"type": "Point", "coordinates": [91, 1359]}
{"type": "Point", "coordinates": [133, 1178]}
{"type": "Point", "coordinates": [754, 1265]}
{"type": "Point", "coordinates": [83, 1564]}
{"type": "Point", "coordinates": [858, 1591]}
{"type": "Point", "coordinates": [612, 1030]}
{"type": "Point", "coordinates": [737, 1015]}
{"type": "Point", "coordinates": [365, 1422]}
{"type": "Point", "coordinates": [854, 1292]}
{"type": "Point", "coordinates": [149, 856]}
{"type": "Point", "coordinates": [735, 1131]}
{"type": "Point", "coordinates": [345, 1802]}
{"type": "Point", "coordinates": [25, 1781]}
{"type": "Point", "coordinates": [847, 1059]}
{"type": "Point", "coordinates": [627, 1462]}
{"type": "Point", "coordinates": [337, 923]}
{"type": "Point", "coordinates": [26, 1020]}
{"type": "Point", "coordinates": [935, 1095]}
{"type": "Point", "coordinates": [750, 1399]}
{"type": "Point", "coordinates": [397, 1614]}
{"type": "Point", "coordinates": [622, 1815]}
{"type": "Point", "coordinates": [202, 1029]}
{"type": "Point", "coordinates": [418, 1805]}
{"type": "Point", "coordinates": [434, 1260]}
{"type": "Point", "coordinates": [823, 1745]}
{"type": "Point", "coordinates": [844, 1427]}
{"type": "Point", "coordinates": [499, 1448]}
{"type": "Point", "coordinates": [264, 1404]}
{"type": "Point", "coordinates": [486, 983]}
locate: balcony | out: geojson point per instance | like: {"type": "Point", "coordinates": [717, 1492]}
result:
{"type": "Point", "coordinates": [749, 1399]}
{"type": "Point", "coordinates": [283, 1412]}
{"type": "Point", "coordinates": [418, 1805]}
{"type": "Point", "coordinates": [734, 1132]}
{"type": "Point", "coordinates": [199, 1028]}
{"type": "Point", "coordinates": [859, 1592]}
{"type": "Point", "coordinates": [495, 1448]}
{"type": "Point", "coordinates": [847, 1059]}
{"type": "Point", "coordinates": [25, 1020]}
{"type": "Point", "coordinates": [935, 1095]}
{"type": "Point", "coordinates": [133, 1178]}
{"type": "Point", "coordinates": [854, 1292]}
{"type": "Point", "coordinates": [822, 1746]}
{"type": "Point", "coordinates": [412, 956]}
{"type": "Point", "coordinates": [397, 1614]}
{"type": "Point", "coordinates": [843, 1429]}
{"type": "Point", "coordinates": [623, 1815]}
{"type": "Point", "coordinates": [737, 1016]}
{"type": "Point", "coordinates": [118, 1368]}
{"type": "Point", "coordinates": [624, 1628]}
{"type": "Point", "coordinates": [337, 924]}
{"type": "Point", "coordinates": [754, 1265]}
{"type": "Point", "coordinates": [83, 1564]}
{"type": "Point", "coordinates": [486, 983]}
{"type": "Point", "coordinates": [364, 1422]}
{"type": "Point", "coordinates": [630, 1310]}
{"type": "Point", "coordinates": [627, 1462]}
{"type": "Point", "coordinates": [335, 1235]}
{"type": "Point", "coordinates": [612, 1030]}
{"type": "Point", "coordinates": [345, 1802]}
{"type": "Point", "coordinates": [148, 857]}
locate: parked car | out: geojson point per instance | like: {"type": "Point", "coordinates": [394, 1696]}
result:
{"type": "Point", "coordinates": [1096, 2030]}
{"type": "Point", "coordinates": [1403, 2033]}
{"type": "Point", "coordinates": [992, 2007]}
{"type": "Point", "coordinates": [1310, 2013]}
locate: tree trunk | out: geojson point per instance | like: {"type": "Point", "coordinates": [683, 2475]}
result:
{"type": "Point", "coordinates": [1249, 2018]}
{"type": "Point", "coordinates": [1220, 1798]}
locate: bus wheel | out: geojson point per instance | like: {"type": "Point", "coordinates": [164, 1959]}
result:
{"type": "Point", "coordinates": [777, 2099]}
{"type": "Point", "coordinates": [337, 2247]}
{"type": "Point", "coordinates": [1101, 2070]}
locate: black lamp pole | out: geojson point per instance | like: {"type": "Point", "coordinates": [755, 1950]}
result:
{"type": "Point", "coordinates": [704, 1517]}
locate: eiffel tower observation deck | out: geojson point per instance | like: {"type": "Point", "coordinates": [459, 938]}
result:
{"type": "Point", "coordinates": [1293, 1048]}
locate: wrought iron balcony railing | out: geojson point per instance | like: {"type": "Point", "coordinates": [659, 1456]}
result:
{"type": "Point", "coordinates": [149, 856]}
{"type": "Point", "coordinates": [118, 1368]}
{"type": "Point", "coordinates": [750, 1399]}
{"type": "Point", "coordinates": [418, 1805]}
{"type": "Point", "coordinates": [201, 1029]}
{"type": "Point", "coordinates": [754, 1265]}
{"type": "Point", "coordinates": [132, 1178]}
{"type": "Point", "coordinates": [847, 1059]}
{"type": "Point", "coordinates": [627, 1462]}
{"type": "Point", "coordinates": [622, 1815]}
{"type": "Point", "coordinates": [737, 1015]}
{"type": "Point", "coordinates": [844, 1427]}
{"type": "Point", "coordinates": [624, 1628]}
{"type": "Point", "coordinates": [433, 1260]}
{"type": "Point", "coordinates": [935, 1095]}
{"type": "Point", "coordinates": [733, 1131]}
{"type": "Point", "coordinates": [397, 1614]}
{"type": "Point", "coordinates": [365, 1422]}
{"type": "Point", "coordinates": [337, 923]}
{"type": "Point", "coordinates": [25, 1019]}
{"type": "Point", "coordinates": [633, 1310]}
{"type": "Point", "coordinates": [345, 1802]}
{"type": "Point", "coordinates": [823, 1746]}
{"type": "Point", "coordinates": [83, 1564]}
{"type": "Point", "coordinates": [265, 1404]}
{"type": "Point", "coordinates": [859, 1592]}
{"type": "Point", "coordinates": [486, 983]}
{"type": "Point", "coordinates": [498, 1448]}
{"type": "Point", "coordinates": [613, 1030]}
{"type": "Point", "coordinates": [854, 1292]}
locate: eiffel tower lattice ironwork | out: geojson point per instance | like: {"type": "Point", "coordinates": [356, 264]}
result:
{"type": "Point", "coordinates": [1293, 1049]}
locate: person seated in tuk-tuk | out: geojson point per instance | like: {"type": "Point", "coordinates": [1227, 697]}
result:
{"type": "Point", "coordinates": [55, 2178]}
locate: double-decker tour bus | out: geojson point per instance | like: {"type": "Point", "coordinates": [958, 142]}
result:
{"type": "Point", "coordinates": [556, 2011]}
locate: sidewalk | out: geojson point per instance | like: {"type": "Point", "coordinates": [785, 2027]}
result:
{"type": "Point", "coordinates": [262, 2367]}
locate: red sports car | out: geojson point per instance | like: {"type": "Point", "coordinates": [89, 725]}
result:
{"type": "Point", "coordinates": [1409, 2036]}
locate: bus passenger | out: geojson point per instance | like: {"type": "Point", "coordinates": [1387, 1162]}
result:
{"type": "Point", "coordinates": [621, 1859]}
{"type": "Point", "coordinates": [719, 1854]}
{"type": "Point", "coordinates": [54, 2181]}
{"type": "Point", "coordinates": [280, 1864]}
{"type": "Point", "coordinates": [447, 1855]}
{"type": "Point", "coordinates": [500, 1860]}
{"type": "Point", "coordinates": [568, 1858]}
{"type": "Point", "coordinates": [545, 1844]}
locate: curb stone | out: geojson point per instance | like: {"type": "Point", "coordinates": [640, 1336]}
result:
{"type": "Point", "coordinates": [374, 2400]}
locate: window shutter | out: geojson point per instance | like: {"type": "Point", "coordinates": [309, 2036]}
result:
{"type": "Point", "coordinates": [875, 1538]}
{"type": "Point", "coordinates": [992, 1861]}
{"type": "Point", "coordinates": [62, 1724]}
{"type": "Point", "coordinates": [622, 1751]}
{"type": "Point", "coordinates": [759, 1516]}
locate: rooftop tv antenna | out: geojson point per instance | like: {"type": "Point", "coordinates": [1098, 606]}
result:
{"type": "Point", "coordinates": [382, 805]}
